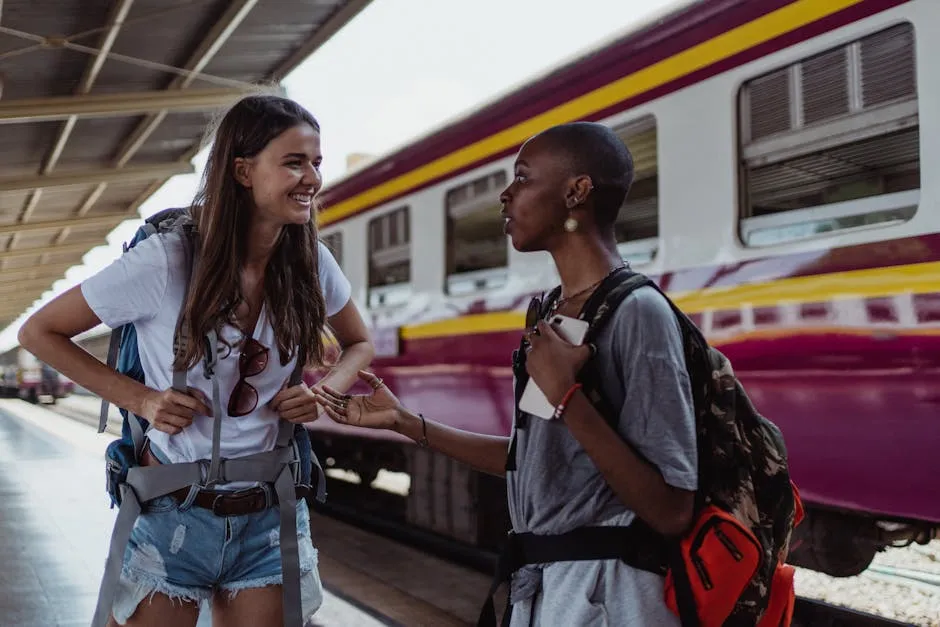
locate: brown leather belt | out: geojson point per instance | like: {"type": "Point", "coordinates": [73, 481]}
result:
{"type": "Point", "coordinates": [225, 502]}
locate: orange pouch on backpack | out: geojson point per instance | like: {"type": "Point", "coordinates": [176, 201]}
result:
{"type": "Point", "coordinates": [779, 612]}
{"type": "Point", "coordinates": [720, 556]}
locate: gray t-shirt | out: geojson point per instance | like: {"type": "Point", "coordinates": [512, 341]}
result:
{"type": "Point", "coordinates": [556, 486]}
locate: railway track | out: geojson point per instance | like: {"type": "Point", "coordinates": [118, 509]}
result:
{"type": "Point", "coordinates": [930, 580]}
{"type": "Point", "coordinates": [814, 613]}
{"type": "Point", "coordinates": [383, 513]}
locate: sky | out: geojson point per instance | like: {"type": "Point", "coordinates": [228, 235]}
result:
{"type": "Point", "coordinates": [398, 70]}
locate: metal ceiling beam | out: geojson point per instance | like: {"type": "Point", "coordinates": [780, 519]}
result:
{"type": "Point", "coordinates": [322, 34]}
{"type": "Point", "coordinates": [16, 308]}
{"type": "Point", "coordinates": [110, 105]}
{"type": "Point", "coordinates": [34, 272]}
{"type": "Point", "coordinates": [104, 175]}
{"type": "Point", "coordinates": [109, 219]}
{"type": "Point", "coordinates": [27, 285]}
{"type": "Point", "coordinates": [14, 314]}
{"type": "Point", "coordinates": [78, 247]}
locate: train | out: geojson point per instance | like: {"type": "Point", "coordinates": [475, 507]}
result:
{"type": "Point", "coordinates": [787, 198]}
{"type": "Point", "coordinates": [23, 376]}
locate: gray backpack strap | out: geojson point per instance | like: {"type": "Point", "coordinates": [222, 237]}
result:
{"type": "Point", "coordinates": [296, 377]}
{"type": "Point", "coordinates": [297, 374]}
{"type": "Point", "coordinates": [290, 547]}
{"type": "Point", "coordinates": [143, 484]}
{"type": "Point", "coordinates": [120, 535]}
{"type": "Point", "coordinates": [113, 347]}
{"type": "Point", "coordinates": [210, 362]}
{"type": "Point", "coordinates": [180, 337]}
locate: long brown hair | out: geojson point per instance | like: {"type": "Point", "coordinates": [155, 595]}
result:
{"type": "Point", "coordinates": [221, 214]}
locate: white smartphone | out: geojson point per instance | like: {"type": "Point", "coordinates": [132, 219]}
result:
{"type": "Point", "coordinates": [533, 400]}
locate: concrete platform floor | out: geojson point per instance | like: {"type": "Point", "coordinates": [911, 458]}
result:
{"type": "Point", "coordinates": [55, 524]}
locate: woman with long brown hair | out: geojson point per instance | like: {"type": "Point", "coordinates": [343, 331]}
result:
{"type": "Point", "coordinates": [265, 288]}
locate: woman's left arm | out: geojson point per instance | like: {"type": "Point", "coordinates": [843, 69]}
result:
{"type": "Point", "coordinates": [298, 403]}
{"type": "Point", "coordinates": [356, 346]}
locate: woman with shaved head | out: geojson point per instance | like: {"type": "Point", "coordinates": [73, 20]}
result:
{"type": "Point", "coordinates": [579, 469]}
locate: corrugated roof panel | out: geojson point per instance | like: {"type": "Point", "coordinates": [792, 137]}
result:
{"type": "Point", "coordinates": [56, 203]}
{"type": "Point", "coordinates": [118, 195]}
{"type": "Point", "coordinates": [11, 203]}
{"type": "Point", "coordinates": [93, 140]}
{"type": "Point", "coordinates": [166, 32]}
{"type": "Point", "coordinates": [267, 38]}
{"type": "Point", "coordinates": [24, 146]}
{"type": "Point", "coordinates": [176, 135]}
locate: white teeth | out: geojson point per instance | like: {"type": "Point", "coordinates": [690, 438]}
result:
{"type": "Point", "coordinates": [302, 197]}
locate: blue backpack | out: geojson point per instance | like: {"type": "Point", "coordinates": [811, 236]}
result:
{"type": "Point", "coordinates": [289, 466]}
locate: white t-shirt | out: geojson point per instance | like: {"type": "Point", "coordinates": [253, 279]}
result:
{"type": "Point", "coordinates": [145, 286]}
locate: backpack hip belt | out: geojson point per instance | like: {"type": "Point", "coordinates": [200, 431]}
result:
{"type": "Point", "coordinates": [224, 502]}
{"type": "Point", "coordinates": [633, 544]}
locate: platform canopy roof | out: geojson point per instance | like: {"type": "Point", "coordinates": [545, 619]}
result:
{"type": "Point", "coordinates": [102, 102]}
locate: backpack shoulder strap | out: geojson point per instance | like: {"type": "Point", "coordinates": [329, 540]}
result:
{"type": "Point", "coordinates": [597, 312]}
{"type": "Point", "coordinates": [180, 338]}
{"type": "Point", "coordinates": [608, 296]}
{"type": "Point", "coordinates": [114, 346]}
{"type": "Point", "coordinates": [520, 375]}
{"type": "Point", "coordinates": [549, 300]}
{"type": "Point", "coordinates": [297, 374]}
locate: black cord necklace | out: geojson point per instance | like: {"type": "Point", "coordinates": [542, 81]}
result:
{"type": "Point", "coordinates": [558, 303]}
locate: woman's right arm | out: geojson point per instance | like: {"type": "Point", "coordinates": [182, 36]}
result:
{"type": "Point", "coordinates": [486, 453]}
{"type": "Point", "coordinates": [382, 410]}
{"type": "Point", "coordinates": [48, 334]}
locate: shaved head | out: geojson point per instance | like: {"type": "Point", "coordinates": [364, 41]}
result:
{"type": "Point", "coordinates": [594, 150]}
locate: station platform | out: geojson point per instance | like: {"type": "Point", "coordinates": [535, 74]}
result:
{"type": "Point", "coordinates": [55, 524]}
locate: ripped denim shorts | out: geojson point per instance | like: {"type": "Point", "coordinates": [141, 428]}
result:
{"type": "Point", "coordinates": [189, 554]}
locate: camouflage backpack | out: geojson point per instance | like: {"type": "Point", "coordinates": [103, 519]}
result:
{"type": "Point", "coordinates": [728, 569]}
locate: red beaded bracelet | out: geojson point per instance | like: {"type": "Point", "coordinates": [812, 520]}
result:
{"type": "Point", "coordinates": [563, 405]}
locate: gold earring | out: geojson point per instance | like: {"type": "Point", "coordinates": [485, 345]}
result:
{"type": "Point", "coordinates": [571, 225]}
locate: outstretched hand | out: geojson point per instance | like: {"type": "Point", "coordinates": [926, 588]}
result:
{"type": "Point", "coordinates": [378, 410]}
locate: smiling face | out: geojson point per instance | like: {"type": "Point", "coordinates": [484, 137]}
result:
{"type": "Point", "coordinates": [534, 204]}
{"type": "Point", "coordinates": [284, 177]}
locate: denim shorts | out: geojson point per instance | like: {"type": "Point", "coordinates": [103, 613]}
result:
{"type": "Point", "coordinates": [189, 554]}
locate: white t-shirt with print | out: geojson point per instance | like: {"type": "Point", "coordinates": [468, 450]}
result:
{"type": "Point", "coordinates": [145, 286]}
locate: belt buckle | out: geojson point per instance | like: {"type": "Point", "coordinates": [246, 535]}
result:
{"type": "Point", "coordinates": [216, 501]}
{"type": "Point", "coordinates": [235, 499]}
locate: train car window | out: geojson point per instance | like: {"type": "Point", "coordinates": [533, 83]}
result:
{"type": "Point", "coordinates": [477, 248]}
{"type": "Point", "coordinates": [637, 226]}
{"type": "Point", "coordinates": [334, 241]}
{"type": "Point", "coordinates": [831, 142]}
{"type": "Point", "coordinates": [390, 258]}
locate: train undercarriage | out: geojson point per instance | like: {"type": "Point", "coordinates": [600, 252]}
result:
{"type": "Point", "coordinates": [450, 499]}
